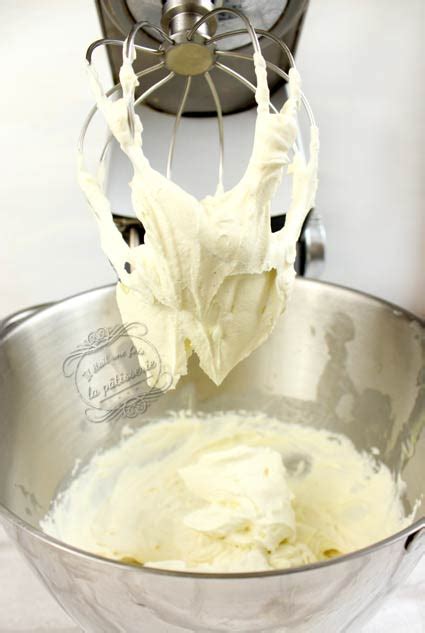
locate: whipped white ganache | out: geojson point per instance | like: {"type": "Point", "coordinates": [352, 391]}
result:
{"type": "Point", "coordinates": [228, 492]}
{"type": "Point", "coordinates": [211, 277]}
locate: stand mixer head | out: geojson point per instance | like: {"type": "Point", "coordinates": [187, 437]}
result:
{"type": "Point", "coordinates": [282, 18]}
{"type": "Point", "coordinates": [43, 430]}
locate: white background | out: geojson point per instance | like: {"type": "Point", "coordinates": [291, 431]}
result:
{"type": "Point", "coordinates": [363, 66]}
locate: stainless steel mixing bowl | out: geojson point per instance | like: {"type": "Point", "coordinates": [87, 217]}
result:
{"type": "Point", "coordinates": [338, 359]}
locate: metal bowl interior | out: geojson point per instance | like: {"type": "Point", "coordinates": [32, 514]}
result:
{"type": "Point", "coordinates": [338, 359]}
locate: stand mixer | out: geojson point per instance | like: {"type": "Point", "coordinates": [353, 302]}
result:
{"type": "Point", "coordinates": [204, 75]}
{"type": "Point", "coordinates": [327, 332]}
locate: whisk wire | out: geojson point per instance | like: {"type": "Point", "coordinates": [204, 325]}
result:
{"type": "Point", "coordinates": [176, 125]}
{"type": "Point", "coordinates": [129, 44]}
{"type": "Point", "coordinates": [106, 41]}
{"type": "Point", "coordinates": [219, 111]}
{"type": "Point", "coordinates": [249, 28]}
{"type": "Point", "coordinates": [278, 71]}
{"type": "Point", "coordinates": [137, 102]}
{"type": "Point", "coordinates": [110, 93]}
{"type": "Point", "coordinates": [265, 34]}
{"type": "Point", "coordinates": [241, 79]}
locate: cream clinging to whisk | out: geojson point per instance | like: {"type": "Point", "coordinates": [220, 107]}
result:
{"type": "Point", "coordinates": [211, 277]}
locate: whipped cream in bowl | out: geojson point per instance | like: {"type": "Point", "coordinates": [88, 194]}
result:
{"type": "Point", "coordinates": [211, 493]}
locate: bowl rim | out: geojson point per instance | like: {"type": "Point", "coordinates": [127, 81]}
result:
{"type": "Point", "coordinates": [32, 312]}
{"type": "Point", "coordinates": [10, 517]}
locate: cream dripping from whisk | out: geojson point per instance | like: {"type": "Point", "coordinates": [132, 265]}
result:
{"type": "Point", "coordinates": [211, 277]}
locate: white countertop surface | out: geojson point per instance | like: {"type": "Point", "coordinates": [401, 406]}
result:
{"type": "Point", "coordinates": [363, 65]}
